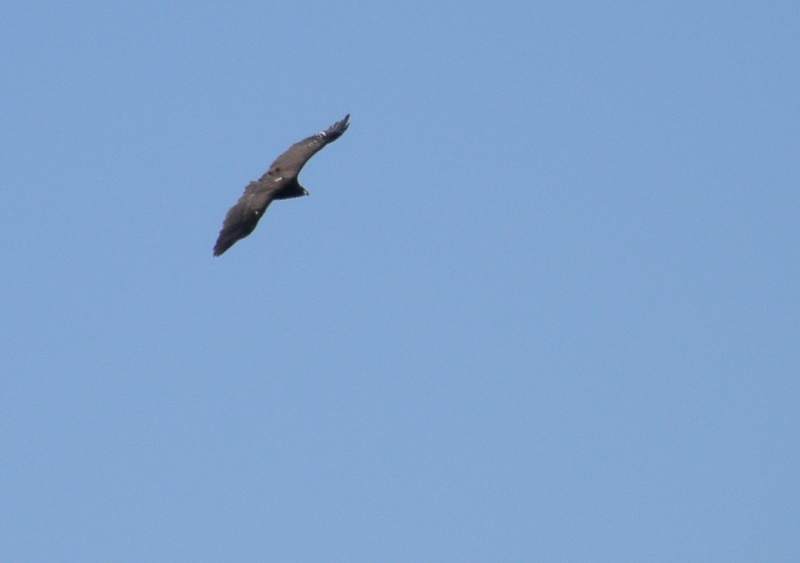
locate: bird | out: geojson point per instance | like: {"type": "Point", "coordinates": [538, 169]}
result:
{"type": "Point", "coordinates": [279, 182]}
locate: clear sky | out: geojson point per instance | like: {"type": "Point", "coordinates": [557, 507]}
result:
{"type": "Point", "coordinates": [542, 304]}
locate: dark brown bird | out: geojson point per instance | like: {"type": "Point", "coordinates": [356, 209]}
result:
{"type": "Point", "coordinates": [279, 182]}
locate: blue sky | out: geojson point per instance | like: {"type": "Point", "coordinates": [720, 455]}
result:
{"type": "Point", "coordinates": [542, 303]}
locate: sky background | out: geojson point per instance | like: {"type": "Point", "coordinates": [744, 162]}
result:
{"type": "Point", "coordinates": [542, 303]}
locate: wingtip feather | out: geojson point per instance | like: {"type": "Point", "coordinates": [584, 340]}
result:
{"type": "Point", "coordinates": [222, 244]}
{"type": "Point", "coordinates": [337, 129]}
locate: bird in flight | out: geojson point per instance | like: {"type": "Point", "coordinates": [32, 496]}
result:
{"type": "Point", "coordinates": [279, 182]}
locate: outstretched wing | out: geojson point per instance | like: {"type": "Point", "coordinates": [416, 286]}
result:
{"type": "Point", "coordinates": [289, 164]}
{"type": "Point", "coordinates": [279, 182]}
{"type": "Point", "coordinates": [243, 217]}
